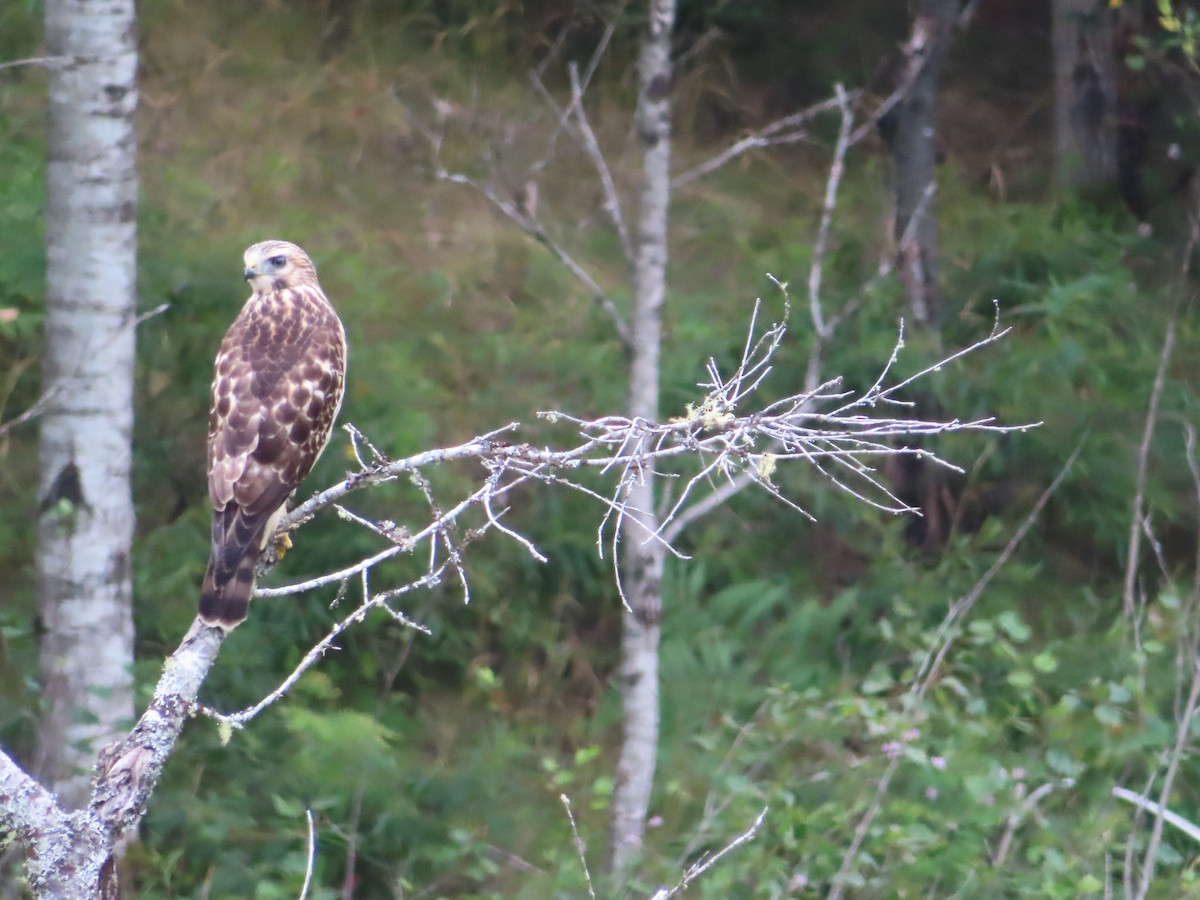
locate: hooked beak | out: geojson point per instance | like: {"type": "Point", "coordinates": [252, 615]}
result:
{"type": "Point", "coordinates": [249, 273]}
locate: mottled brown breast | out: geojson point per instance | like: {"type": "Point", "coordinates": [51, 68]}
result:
{"type": "Point", "coordinates": [276, 392]}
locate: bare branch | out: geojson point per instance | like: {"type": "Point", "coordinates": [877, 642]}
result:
{"type": "Point", "coordinates": [1139, 497]}
{"type": "Point", "coordinates": [564, 114]}
{"type": "Point", "coordinates": [707, 862]}
{"type": "Point", "coordinates": [128, 773]}
{"type": "Point", "coordinates": [843, 445]}
{"type": "Point", "coordinates": [716, 436]}
{"type": "Point", "coordinates": [787, 130]}
{"type": "Point", "coordinates": [1182, 735]}
{"type": "Point", "coordinates": [48, 61]}
{"type": "Point", "coordinates": [930, 666]}
{"type": "Point", "coordinates": [311, 856]}
{"type": "Point", "coordinates": [38, 407]}
{"type": "Point", "coordinates": [836, 169]}
{"type": "Point", "coordinates": [50, 395]}
{"type": "Point", "coordinates": [580, 847]}
{"type": "Point", "coordinates": [533, 227]}
{"type": "Point", "coordinates": [27, 810]}
{"type": "Point", "coordinates": [612, 200]}
{"type": "Point", "coordinates": [917, 52]}
{"type": "Point", "coordinates": [1021, 813]}
{"type": "Point", "coordinates": [1189, 828]}
{"type": "Point", "coordinates": [860, 831]}
{"type": "Point", "coordinates": [318, 650]}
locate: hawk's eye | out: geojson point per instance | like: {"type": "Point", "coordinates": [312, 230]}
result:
{"type": "Point", "coordinates": [278, 261]}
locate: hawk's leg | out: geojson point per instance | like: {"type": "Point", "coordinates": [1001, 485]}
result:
{"type": "Point", "coordinates": [281, 544]}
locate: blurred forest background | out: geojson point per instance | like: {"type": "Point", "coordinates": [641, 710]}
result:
{"type": "Point", "coordinates": [435, 764]}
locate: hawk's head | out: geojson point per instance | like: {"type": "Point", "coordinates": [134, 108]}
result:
{"type": "Point", "coordinates": [275, 265]}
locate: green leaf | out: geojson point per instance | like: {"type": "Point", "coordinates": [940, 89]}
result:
{"type": "Point", "coordinates": [1061, 762]}
{"type": "Point", "coordinates": [1020, 679]}
{"type": "Point", "coordinates": [1118, 693]}
{"type": "Point", "coordinates": [1045, 662]}
{"type": "Point", "coordinates": [878, 681]}
{"type": "Point", "coordinates": [1011, 624]}
{"type": "Point", "coordinates": [585, 755]}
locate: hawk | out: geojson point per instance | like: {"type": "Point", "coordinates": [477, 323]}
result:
{"type": "Point", "coordinates": [277, 388]}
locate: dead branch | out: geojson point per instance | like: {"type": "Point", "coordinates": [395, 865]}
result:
{"type": "Point", "coordinates": [1141, 802]}
{"type": "Point", "coordinates": [788, 130]}
{"type": "Point", "coordinates": [718, 439]}
{"type": "Point", "coordinates": [725, 434]}
{"type": "Point", "coordinates": [580, 847]}
{"type": "Point", "coordinates": [836, 169]}
{"type": "Point", "coordinates": [1183, 734]}
{"type": "Point", "coordinates": [1022, 812]}
{"type": "Point", "coordinates": [612, 200]}
{"type": "Point", "coordinates": [48, 61]}
{"type": "Point", "coordinates": [1139, 498]}
{"type": "Point", "coordinates": [532, 226]}
{"type": "Point", "coordinates": [707, 862]}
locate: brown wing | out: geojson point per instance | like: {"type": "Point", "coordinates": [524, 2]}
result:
{"type": "Point", "coordinates": [276, 392]}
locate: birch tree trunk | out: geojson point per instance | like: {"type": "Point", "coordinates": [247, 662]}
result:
{"type": "Point", "coordinates": [85, 519]}
{"type": "Point", "coordinates": [643, 559]}
{"type": "Point", "coordinates": [1085, 93]}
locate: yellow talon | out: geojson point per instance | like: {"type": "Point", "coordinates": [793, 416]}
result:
{"type": "Point", "coordinates": [283, 546]}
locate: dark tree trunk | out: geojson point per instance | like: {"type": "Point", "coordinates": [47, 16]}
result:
{"type": "Point", "coordinates": [1085, 93]}
{"type": "Point", "coordinates": [910, 131]}
{"type": "Point", "coordinates": [912, 128]}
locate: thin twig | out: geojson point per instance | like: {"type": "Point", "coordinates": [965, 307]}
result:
{"type": "Point", "coordinates": [46, 400]}
{"type": "Point", "coordinates": [534, 228]}
{"type": "Point", "coordinates": [787, 130]}
{"type": "Point", "coordinates": [836, 170]}
{"type": "Point", "coordinates": [917, 51]}
{"type": "Point", "coordinates": [707, 862]}
{"type": "Point", "coordinates": [48, 61]}
{"type": "Point", "coordinates": [1143, 464]}
{"type": "Point", "coordinates": [580, 847]}
{"type": "Point", "coordinates": [712, 808]}
{"type": "Point", "coordinates": [311, 857]}
{"type": "Point", "coordinates": [931, 666]}
{"type": "Point", "coordinates": [860, 831]}
{"type": "Point", "coordinates": [1182, 735]}
{"type": "Point", "coordinates": [1190, 829]}
{"type": "Point", "coordinates": [612, 199]}
{"type": "Point", "coordinates": [928, 671]}
{"type": "Point", "coordinates": [564, 114]}
{"type": "Point", "coordinates": [316, 653]}
{"type": "Point", "coordinates": [351, 878]}
{"type": "Point", "coordinates": [1021, 813]}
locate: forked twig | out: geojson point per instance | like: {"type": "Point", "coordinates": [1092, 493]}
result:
{"type": "Point", "coordinates": [707, 862]}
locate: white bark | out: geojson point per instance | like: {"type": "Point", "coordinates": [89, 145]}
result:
{"type": "Point", "coordinates": [1085, 92]}
{"type": "Point", "coordinates": [643, 558]}
{"type": "Point", "coordinates": [70, 855]}
{"type": "Point", "coordinates": [85, 521]}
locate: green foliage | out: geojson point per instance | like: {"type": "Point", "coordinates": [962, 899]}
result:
{"type": "Point", "coordinates": [789, 648]}
{"type": "Point", "coordinates": [1182, 27]}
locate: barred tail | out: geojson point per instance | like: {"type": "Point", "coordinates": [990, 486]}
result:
{"type": "Point", "coordinates": [227, 603]}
